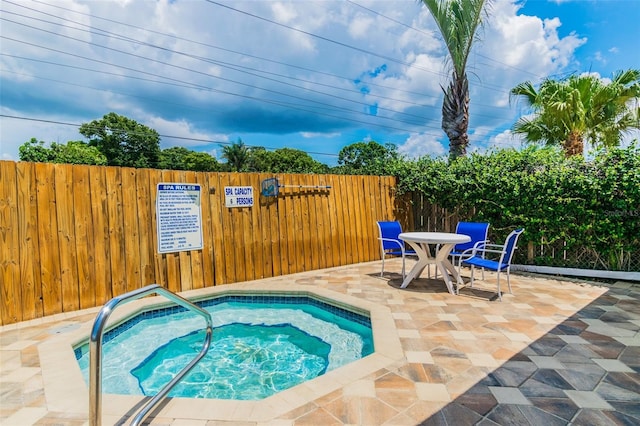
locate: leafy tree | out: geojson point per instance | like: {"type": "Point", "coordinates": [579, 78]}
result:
{"type": "Point", "coordinates": [124, 141]}
{"type": "Point", "coordinates": [78, 152]}
{"type": "Point", "coordinates": [73, 152]}
{"type": "Point", "coordinates": [366, 158]}
{"type": "Point", "coordinates": [180, 158]}
{"type": "Point", "coordinates": [260, 160]}
{"type": "Point", "coordinates": [283, 160]}
{"type": "Point", "coordinates": [237, 156]}
{"type": "Point", "coordinates": [568, 112]}
{"type": "Point", "coordinates": [458, 21]}
{"type": "Point", "coordinates": [34, 151]}
{"type": "Point", "coordinates": [288, 160]}
{"type": "Point", "coordinates": [201, 162]}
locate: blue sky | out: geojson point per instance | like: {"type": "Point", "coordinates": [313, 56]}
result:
{"type": "Point", "coordinates": [310, 75]}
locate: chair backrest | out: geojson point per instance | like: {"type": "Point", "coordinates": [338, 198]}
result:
{"type": "Point", "coordinates": [391, 230]}
{"type": "Point", "coordinates": [476, 230]}
{"type": "Point", "coordinates": [510, 245]}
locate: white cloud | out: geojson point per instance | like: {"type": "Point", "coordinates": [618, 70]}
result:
{"type": "Point", "coordinates": [182, 129]}
{"type": "Point", "coordinates": [421, 144]}
{"type": "Point", "coordinates": [360, 26]}
{"type": "Point", "coordinates": [505, 139]}
{"type": "Point", "coordinates": [283, 13]}
{"type": "Point", "coordinates": [309, 135]}
{"type": "Point", "coordinates": [241, 67]}
{"type": "Point", "coordinates": [15, 132]}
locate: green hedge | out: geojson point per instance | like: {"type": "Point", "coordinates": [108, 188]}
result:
{"type": "Point", "coordinates": [589, 208]}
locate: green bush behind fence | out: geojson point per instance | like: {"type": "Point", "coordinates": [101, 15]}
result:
{"type": "Point", "coordinates": [576, 212]}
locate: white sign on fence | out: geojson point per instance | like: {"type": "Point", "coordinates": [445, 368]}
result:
{"type": "Point", "coordinates": [179, 217]}
{"type": "Point", "coordinates": [238, 196]}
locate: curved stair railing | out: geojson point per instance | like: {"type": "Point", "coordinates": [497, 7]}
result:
{"type": "Point", "coordinates": [95, 351]}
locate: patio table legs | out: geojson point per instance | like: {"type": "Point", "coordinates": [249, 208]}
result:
{"type": "Point", "coordinates": [441, 260]}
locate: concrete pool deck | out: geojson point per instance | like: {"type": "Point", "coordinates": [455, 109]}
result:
{"type": "Point", "coordinates": [554, 352]}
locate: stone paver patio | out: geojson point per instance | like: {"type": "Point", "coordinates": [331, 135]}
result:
{"type": "Point", "coordinates": [552, 353]}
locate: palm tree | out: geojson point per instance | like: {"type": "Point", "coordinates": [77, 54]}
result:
{"type": "Point", "coordinates": [458, 21]}
{"type": "Point", "coordinates": [579, 108]}
{"type": "Point", "coordinates": [237, 155]}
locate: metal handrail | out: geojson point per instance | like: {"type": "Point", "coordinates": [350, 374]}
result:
{"type": "Point", "coordinates": [95, 351]}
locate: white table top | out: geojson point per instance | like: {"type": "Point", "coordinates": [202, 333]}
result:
{"type": "Point", "coordinates": [435, 237]}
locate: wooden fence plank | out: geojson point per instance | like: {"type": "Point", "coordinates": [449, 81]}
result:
{"type": "Point", "coordinates": [207, 252]}
{"type": "Point", "coordinates": [29, 248]}
{"type": "Point", "coordinates": [338, 249]}
{"type": "Point", "coordinates": [261, 216]}
{"type": "Point", "coordinates": [185, 258]}
{"type": "Point", "coordinates": [148, 240]}
{"type": "Point", "coordinates": [247, 233]}
{"type": "Point", "coordinates": [48, 240]}
{"type": "Point", "coordinates": [66, 237]}
{"type": "Point", "coordinates": [172, 267]}
{"type": "Point", "coordinates": [304, 236]}
{"type": "Point", "coordinates": [315, 235]}
{"type": "Point", "coordinates": [159, 264]}
{"type": "Point", "coordinates": [283, 230]}
{"type": "Point", "coordinates": [232, 225]}
{"type": "Point", "coordinates": [368, 213]}
{"type": "Point", "coordinates": [217, 211]}
{"type": "Point", "coordinates": [259, 245]}
{"type": "Point", "coordinates": [116, 231]}
{"type": "Point", "coordinates": [356, 213]}
{"type": "Point", "coordinates": [102, 246]}
{"type": "Point", "coordinates": [272, 232]}
{"type": "Point", "coordinates": [324, 222]}
{"type": "Point", "coordinates": [131, 229]}
{"type": "Point", "coordinates": [197, 271]}
{"type": "Point", "coordinates": [344, 221]}
{"type": "Point", "coordinates": [292, 230]}
{"type": "Point", "coordinates": [85, 243]}
{"type": "Point", "coordinates": [10, 280]}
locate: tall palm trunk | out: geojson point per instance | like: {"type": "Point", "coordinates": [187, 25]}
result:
{"type": "Point", "coordinates": [574, 144]}
{"type": "Point", "coordinates": [458, 21]}
{"type": "Point", "coordinates": [455, 115]}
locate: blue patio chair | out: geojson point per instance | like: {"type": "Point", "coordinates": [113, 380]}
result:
{"type": "Point", "coordinates": [478, 257]}
{"type": "Point", "coordinates": [477, 231]}
{"type": "Point", "coordinates": [390, 244]}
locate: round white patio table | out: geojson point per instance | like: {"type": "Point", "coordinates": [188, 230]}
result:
{"type": "Point", "coordinates": [444, 242]}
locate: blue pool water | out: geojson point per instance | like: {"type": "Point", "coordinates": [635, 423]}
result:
{"type": "Point", "coordinates": [261, 345]}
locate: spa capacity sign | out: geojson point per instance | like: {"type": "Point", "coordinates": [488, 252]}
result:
{"type": "Point", "coordinates": [179, 217]}
{"type": "Point", "coordinates": [238, 196]}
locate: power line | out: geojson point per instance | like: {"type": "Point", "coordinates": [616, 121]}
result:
{"type": "Point", "coordinates": [238, 68]}
{"type": "Point", "coordinates": [212, 76]}
{"type": "Point", "coordinates": [435, 33]}
{"type": "Point", "coordinates": [182, 83]}
{"type": "Point", "coordinates": [62, 123]}
{"type": "Point", "coordinates": [243, 54]}
{"type": "Point", "coordinates": [105, 32]}
{"type": "Point", "coordinates": [209, 75]}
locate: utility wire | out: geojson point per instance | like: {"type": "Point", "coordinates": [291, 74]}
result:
{"type": "Point", "coordinates": [182, 83]}
{"type": "Point", "coordinates": [218, 77]}
{"type": "Point", "coordinates": [62, 123]}
{"type": "Point", "coordinates": [236, 68]}
{"type": "Point", "coordinates": [207, 75]}
{"type": "Point", "coordinates": [437, 34]}
{"type": "Point", "coordinates": [244, 54]}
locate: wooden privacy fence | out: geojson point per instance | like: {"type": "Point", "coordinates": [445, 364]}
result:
{"type": "Point", "coordinates": [73, 236]}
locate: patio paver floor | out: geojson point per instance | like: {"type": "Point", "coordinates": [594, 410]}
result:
{"type": "Point", "coordinates": [552, 353]}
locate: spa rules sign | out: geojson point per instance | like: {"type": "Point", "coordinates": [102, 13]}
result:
{"type": "Point", "coordinates": [179, 217]}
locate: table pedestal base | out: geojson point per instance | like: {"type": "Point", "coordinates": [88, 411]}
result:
{"type": "Point", "coordinates": [441, 260]}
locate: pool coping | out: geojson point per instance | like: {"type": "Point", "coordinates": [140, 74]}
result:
{"type": "Point", "coordinates": [66, 391]}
